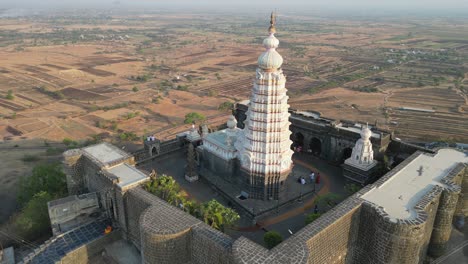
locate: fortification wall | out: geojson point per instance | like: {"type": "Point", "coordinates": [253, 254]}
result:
{"type": "Point", "coordinates": [136, 201]}
{"type": "Point", "coordinates": [329, 239]}
{"type": "Point", "coordinates": [462, 205]}
{"type": "Point", "coordinates": [166, 234]}
{"type": "Point", "coordinates": [444, 215]}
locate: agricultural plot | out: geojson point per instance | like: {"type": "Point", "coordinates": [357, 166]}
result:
{"type": "Point", "coordinates": [72, 79]}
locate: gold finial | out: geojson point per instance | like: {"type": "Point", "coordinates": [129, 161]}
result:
{"type": "Point", "coordinates": [272, 28]}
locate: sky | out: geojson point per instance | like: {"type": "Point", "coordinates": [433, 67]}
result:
{"type": "Point", "coordinates": [291, 4]}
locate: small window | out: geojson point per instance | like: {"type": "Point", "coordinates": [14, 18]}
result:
{"type": "Point", "coordinates": [357, 157]}
{"type": "Point", "coordinates": [365, 159]}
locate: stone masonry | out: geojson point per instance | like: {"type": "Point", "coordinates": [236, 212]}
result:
{"type": "Point", "coordinates": [354, 231]}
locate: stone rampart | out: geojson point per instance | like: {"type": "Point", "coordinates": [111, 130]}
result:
{"type": "Point", "coordinates": [444, 215]}
{"type": "Point", "coordinates": [166, 234]}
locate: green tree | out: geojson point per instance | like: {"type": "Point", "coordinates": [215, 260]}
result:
{"type": "Point", "coordinates": [33, 220]}
{"type": "Point", "coordinates": [69, 142]}
{"type": "Point", "coordinates": [45, 177]}
{"type": "Point", "coordinates": [10, 95]}
{"type": "Point", "coordinates": [311, 217]}
{"type": "Point", "coordinates": [194, 117]}
{"type": "Point", "coordinates": [226, 106]}
{"type": "Point", "coordinates": [272, 239]}
{"type": "Point", "coordinates": [193, 208]}
{"type": "Point", "coordinates": [135, 89]}
{"type": "Point", "coordinates": [167, 189]}
{"type": "Point", "coordinates": [218, 216]}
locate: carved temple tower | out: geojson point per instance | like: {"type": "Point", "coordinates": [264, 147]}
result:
{"type": "Point", "coordinates": [264, 145]}
{"type": "Point", "coordinates": [360, 166]}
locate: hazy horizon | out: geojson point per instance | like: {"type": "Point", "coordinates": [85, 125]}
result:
{"type": "Point", "coordinates": [341, 5]}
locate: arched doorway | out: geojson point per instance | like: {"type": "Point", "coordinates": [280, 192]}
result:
{"type": "Point", "coordinates": [154, 151]}
{"type": "Point", "coordinates": [298, 140]}
{"type": "Point", "coordinates": [346, 154]}
{"type": "Point", "coordinates": [315, 146]}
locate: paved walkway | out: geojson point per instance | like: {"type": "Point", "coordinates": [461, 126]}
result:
{"type": "Point", "coordinates": [326, 178]}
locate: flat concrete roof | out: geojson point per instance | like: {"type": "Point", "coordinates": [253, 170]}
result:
{"type": "Point", "coordinates": [399, 194]}
{"type": "Point", "coordinates": [105, 153]}
{"type": "Point", "coordinates": [128, 175]}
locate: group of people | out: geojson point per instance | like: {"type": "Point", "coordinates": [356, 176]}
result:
{"type": "Point", "coordinates": [150, 138]}
{"type": "Point", "coordinates": [314, 178]}
{"type": "Point", "coordinates": [298, 149]}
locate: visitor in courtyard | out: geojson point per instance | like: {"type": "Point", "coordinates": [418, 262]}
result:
{"type": "Point", "coordinates": [316, 209]}
{"type": "Point", "coordinates": [303, 181]}
{"type": "Point", "coordinates": [317, 179]}
{"type": "Point", "coordinates": [312, 177]}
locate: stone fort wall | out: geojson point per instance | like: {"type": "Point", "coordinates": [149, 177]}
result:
{"type": "Point", "coordinates": [165, 234]}
{"type": "Point", "coordinates": [354, 231]}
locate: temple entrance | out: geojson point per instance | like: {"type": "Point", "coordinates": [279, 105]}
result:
{"type": "Point", "coordinates": [298, 140]}
{"type": "Point", "coordinates": [315, 146]}
{"type": "Point", "coordinates": [154, 151]}
{"type": "Point", "coordinates": [346, 154]}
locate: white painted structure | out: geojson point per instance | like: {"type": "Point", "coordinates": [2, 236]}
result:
{"type": "Point", "coordinates": [264, 145]}
{"type": "Point", "coordinates": [221, 143]}
{"type": "Point", "coordinates": [193, 134]}
{"type": "Point", "coordinates": [362, 156]}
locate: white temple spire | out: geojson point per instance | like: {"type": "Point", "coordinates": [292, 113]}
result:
{"type": "Point", "coordinates": [264, 150]}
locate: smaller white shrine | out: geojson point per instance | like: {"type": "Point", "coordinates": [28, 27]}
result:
{"type": "Point", "coordinates": [193, 134]}
{"type": "Point", "coordinates": [360, 165]}
{"type": "Point", "coordinates": [221, 143]}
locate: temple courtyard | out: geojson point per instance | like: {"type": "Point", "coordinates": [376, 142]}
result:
{"type": "Point", "coordinates": [285, 217]}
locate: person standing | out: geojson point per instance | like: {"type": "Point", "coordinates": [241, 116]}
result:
{"type": "Point", "coordinates": [316, 209]}
{"type": "Point", "coordinates": [312, 177]}
{"type": "Point", "coordinates": [317, 179]}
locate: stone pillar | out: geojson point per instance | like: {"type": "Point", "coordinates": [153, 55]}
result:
{"type": "Point", "coordinates": [443, 222]}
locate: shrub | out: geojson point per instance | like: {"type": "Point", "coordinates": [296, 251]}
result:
{"type": "Point", "coordinates": [311, 217]}
{"type": "Point", "coordinates": [69, 142]}
{"type": "Point", "coordinates": [194, 117]}
{"type": "Point", "coordinates": [226, 106]}
{"type": "Point", "coordinates": [212, 212]}
{"type": "Point", "coordinates": [30, 158]}
{"type": "Point", "coordinates": [272, 239]}
{"type": "Point", "coordinates": [10, 95]}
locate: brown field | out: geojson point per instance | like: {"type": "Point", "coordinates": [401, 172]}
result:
{"type": "Point", "coordinates": [163, 66]}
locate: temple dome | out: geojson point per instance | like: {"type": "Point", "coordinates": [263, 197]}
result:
{"type": "Point", "coordinates": [270, 60]}
{"type": "Point", "coordinates": [366, 133]}
{"type": "Point", "coordinates": [232, 122]}
{"type": "Point", "coordinates": [271, 42]}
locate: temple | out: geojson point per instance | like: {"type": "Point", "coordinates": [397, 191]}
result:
{"type": "Point", "coordinates": [360, 167]}
{"type": "Point", "coordinates": [257, 158]}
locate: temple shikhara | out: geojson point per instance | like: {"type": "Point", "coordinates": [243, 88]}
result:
{"type": "Point", "coordinates": [259, 157]}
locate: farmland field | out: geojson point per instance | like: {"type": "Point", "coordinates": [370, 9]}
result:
{"type": "Point", "coordinates": [142, 72]}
